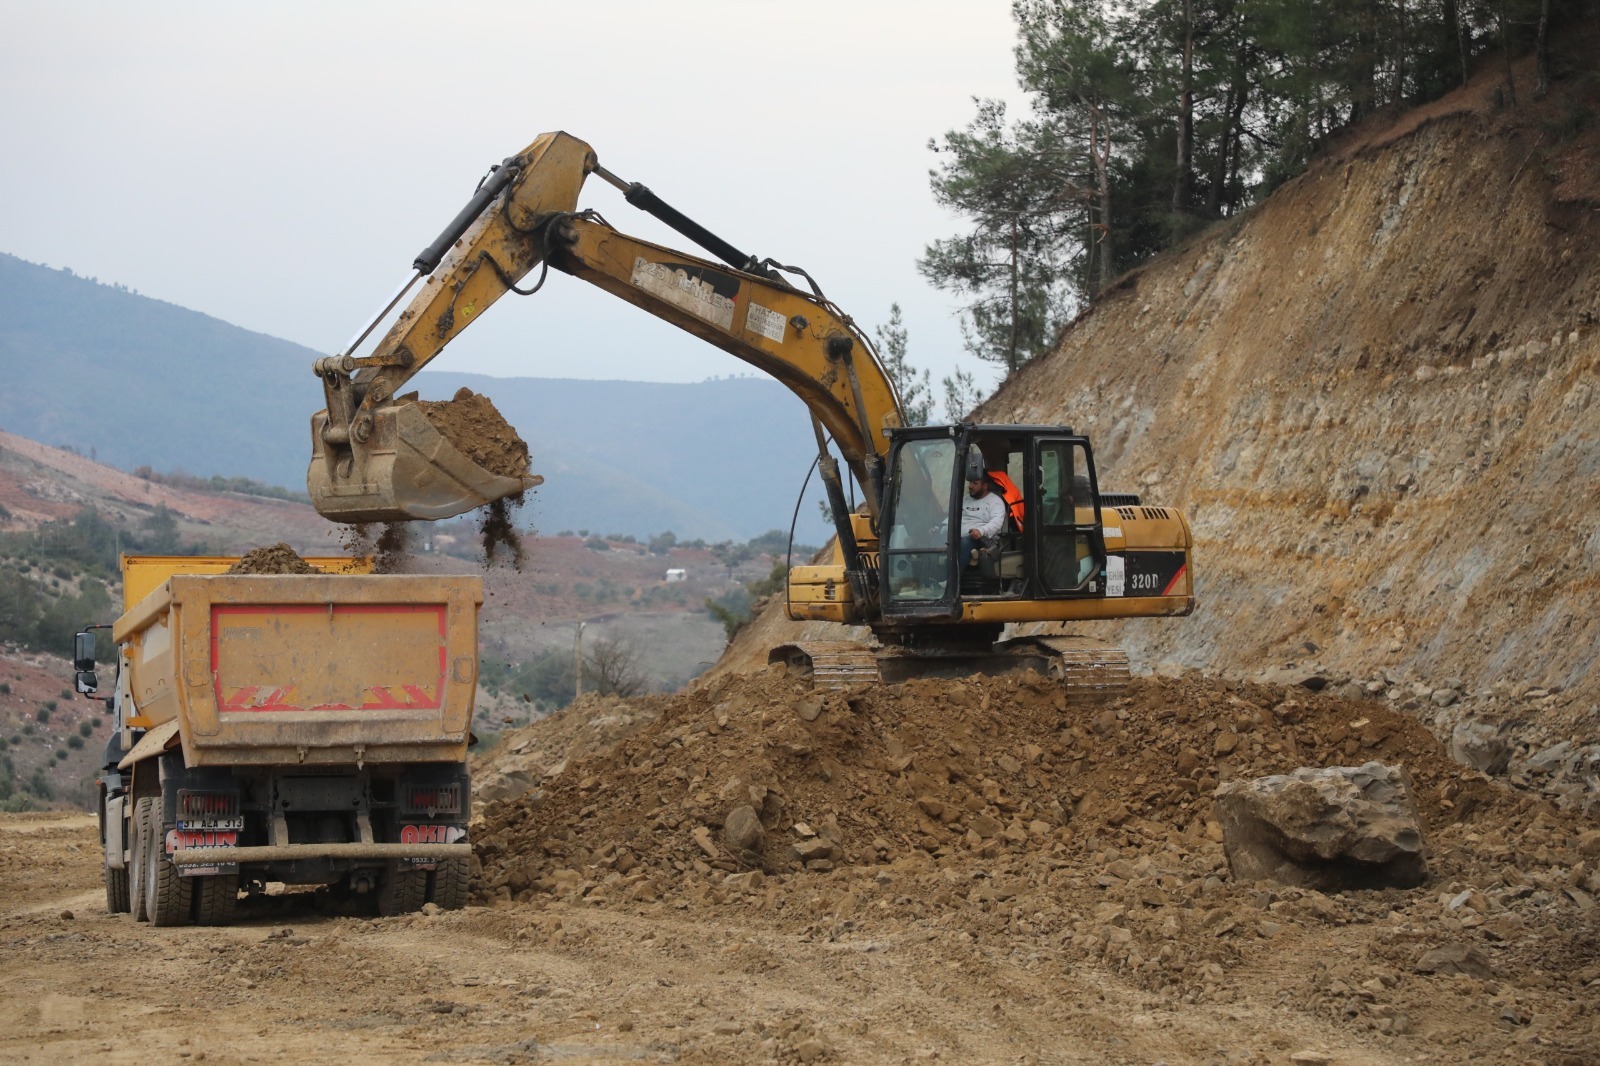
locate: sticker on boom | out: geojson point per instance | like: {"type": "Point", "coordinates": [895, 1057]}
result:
{"type": "Point", "coordinates": [764, 321]}
{"type": "Point", "coordinates": [675, 285]}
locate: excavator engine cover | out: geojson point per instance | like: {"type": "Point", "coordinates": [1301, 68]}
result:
{"type": "Point", "coordinates": [405, 470]}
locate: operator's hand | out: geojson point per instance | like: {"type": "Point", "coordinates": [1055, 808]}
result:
{"type": "Point", "coordinates": [974, 534]}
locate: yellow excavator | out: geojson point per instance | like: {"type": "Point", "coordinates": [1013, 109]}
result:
{"type": "Point", "coordinates": [1065, 553]}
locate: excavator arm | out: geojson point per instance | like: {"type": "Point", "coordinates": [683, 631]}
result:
{"type": "Point", "coordinates": [377, 458]}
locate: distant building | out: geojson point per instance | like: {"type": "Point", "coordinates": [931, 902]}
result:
{"type": "Point", "coordinates": [676, 574]}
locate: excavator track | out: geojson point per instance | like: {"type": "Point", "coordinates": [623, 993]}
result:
{"type": "Point", "coordinates": [830, 663]}
{"type": "Point", "coordinates": [1090, 671]}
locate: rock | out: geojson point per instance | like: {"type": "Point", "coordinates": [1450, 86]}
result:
{"type": "Point", "coordinates": [702, 836]}
{"type": "Point", "coordinates": [1455, 958]}
{"type": "Point", "coordinates": [812, 1050]}
{"type": "Point", "coordinates": [1225, 744]}
{"type": "Point", "coordinates": [808, 710]}
{"type": "Point", "coordinates": [1311, 1058]}
{"type": "Point", "coordinates": [984, 826]}
{"type": "Point", "coordinates": [810, 850]}
{"type": "Point", "coordinates": [743, 831]}
{"type": "Point", "coordinates": [1329, 829]}
{"type": "Point", "coordinates": [1550, 759]}
{"type": "Point", "coordinates": [1480, 745]}
{"type": "Point", "coordinates": [1503, 926]}
{"type": "Point", "coordinates": [497, 786]}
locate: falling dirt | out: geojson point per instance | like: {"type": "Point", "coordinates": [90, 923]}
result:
{"type": "Point", "coordinates": [390, 551]}
{"type": "Point", "coordinates": [497, 530]}
{"type": "Point", "coordinates": [274, 559]}
{"type": "Point", "coordinates": [476, 428]}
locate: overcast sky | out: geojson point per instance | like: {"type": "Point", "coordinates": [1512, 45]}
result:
{"type": "Point", "coordinates": [278, 165]}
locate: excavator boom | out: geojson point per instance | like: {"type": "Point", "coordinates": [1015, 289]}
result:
{"type": "Point", "coordinates": [378, 458]}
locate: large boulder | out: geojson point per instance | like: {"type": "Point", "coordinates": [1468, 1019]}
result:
{"type": "Point", "coordinates": [1329, 829]}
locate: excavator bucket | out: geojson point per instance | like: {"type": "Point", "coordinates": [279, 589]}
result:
{"type": "Point", "coordinates": [405, 470]}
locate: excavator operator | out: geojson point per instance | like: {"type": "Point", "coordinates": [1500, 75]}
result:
{"type": "Point", "coordinates": [982, 515]}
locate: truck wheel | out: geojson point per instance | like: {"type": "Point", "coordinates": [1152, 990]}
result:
{"type": "Point", "coordinates": [136, 863]}
{"type": "Point", "coordinates": [215, 899]}
{"type": "Point", "coordinates": [168, 894]}
{"type": "Point", "coordinates": [448, 887]}
{"type": "Point", "coordinates": [116, 891]}
{"type": "Point", "coordinates": [404, 890]}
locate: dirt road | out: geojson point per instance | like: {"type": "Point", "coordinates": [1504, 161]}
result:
{"type": "Point", "coordinates": [531, 983]}
{"type": "Point", "coordinates": [610, 926]}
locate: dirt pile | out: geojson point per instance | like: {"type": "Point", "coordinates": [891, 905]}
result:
{"type": "Point", "coordinates": [984, 809]}
{"type": "Point", "coordinates": [473, 424]}
{"type": "Point", "coordinates": [525, 758]}
{"type": "Point", "coordinates": [273, 559]}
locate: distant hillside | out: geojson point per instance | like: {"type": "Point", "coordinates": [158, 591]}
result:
{"type": "Point", "coordinates": [713, 460]}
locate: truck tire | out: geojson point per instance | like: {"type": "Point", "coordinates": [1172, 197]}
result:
{"type": "Point", "coordinates": [136, 863]}
{"type": "Point", "coordinates": [117, 897]}
{"type": "Point", "coordinates": [216, 898]}
{"type": "Point", "coordinates": [168, 894]}
{"type": "Point", "coordinates": [447, 886]}
{"type": "Point", "coordinates": [403, 891]}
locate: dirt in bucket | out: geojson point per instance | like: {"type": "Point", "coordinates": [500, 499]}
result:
{"type": "Point", "coordinates": [471, 422]}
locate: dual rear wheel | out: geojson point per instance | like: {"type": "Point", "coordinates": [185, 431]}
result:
{"type": "Point", "coordinates": [156, 891]}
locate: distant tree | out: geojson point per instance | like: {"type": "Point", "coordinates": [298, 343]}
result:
{"type": "Point", "coordinates": [20, 606]}
{"type": "Point", "coordinates": [611, 667]}
{"type": "Point", "coordinates": [961, 396]}
{"type": "Point", "coordinates": [663, 543]}
{"type": "Point", "coordinates": [161, 531]}
{"type": "Point", "coordinates": [1006, 180]}
{"type": "Point", "coordinates": [916, 395]}
{"type": "Point", "coordinates": [732, 555]}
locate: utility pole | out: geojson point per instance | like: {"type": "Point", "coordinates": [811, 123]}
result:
{"type": "Point", "coordinates": [577, 653]}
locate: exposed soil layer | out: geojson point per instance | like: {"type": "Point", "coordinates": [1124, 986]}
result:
{"type": "Point", "coordinates": [274, 559]}
{"type": "Point", "coordinates": [476, 428]}
{"type": "Point", "coordinates": [988, 811]}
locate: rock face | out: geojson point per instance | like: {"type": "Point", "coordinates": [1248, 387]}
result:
{"type": "Point", "coordinates": [1329, 829]}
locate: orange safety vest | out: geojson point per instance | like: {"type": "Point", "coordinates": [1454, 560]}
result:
{"type": "Point", "coordinates": [1011, 494]}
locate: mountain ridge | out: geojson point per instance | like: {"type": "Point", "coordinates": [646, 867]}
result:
{"type": "Point", "coordinates": [142, 382]}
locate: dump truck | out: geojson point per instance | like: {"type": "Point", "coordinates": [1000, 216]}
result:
{"type": "Point", "coordinates": [294, 729]}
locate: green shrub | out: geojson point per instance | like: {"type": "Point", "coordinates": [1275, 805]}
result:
{"type": "Point", "coordinates": [74, 742]}
{"type": "Point", "coordinates": [42, 714]}
{"type": "Point", "coordinates": [85, 728]}
{"type": "Point", "coordinates": [5, 688]}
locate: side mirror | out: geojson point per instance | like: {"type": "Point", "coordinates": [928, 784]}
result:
{"type": "Point", "coordinates": [88, 683]}
{"type": "Point", "coordinates": [83, 648]}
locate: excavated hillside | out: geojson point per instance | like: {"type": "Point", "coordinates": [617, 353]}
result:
{"type": "Point", "coordinates": [1375, 399]}
{"type": "Point", "coordinates": [1374, 396]}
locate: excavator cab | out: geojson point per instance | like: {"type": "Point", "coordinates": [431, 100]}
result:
{"type": "Point", "coordinates": [1052, 545]}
